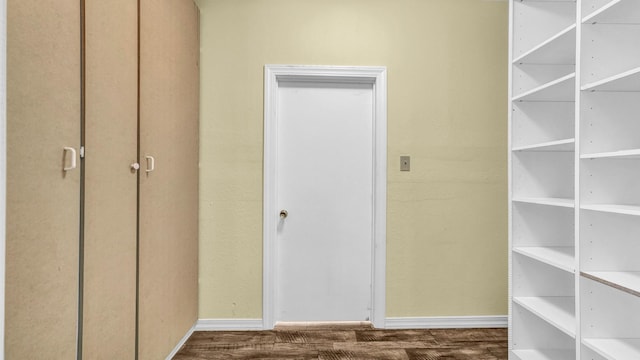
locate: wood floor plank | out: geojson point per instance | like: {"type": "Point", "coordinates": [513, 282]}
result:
{"type": "Point", "coordinates": [231, 337]}
{"type": "Point", "coordinates": [315, 336]}
{"type": "Point", "coordinates": [229, 347]}
{"type": "Point", "coordinates": [395, 335]}
{"type": "Point", "coordinates": [466, 335]}
{"type": "Point", "coordinates": [363, 354]}
{"type": "Point", "coordinates": [309, 346]}
{"type": "Point", "coordinates": [381, 345]}
{"type": "Point", "coordinates": [244, 354]}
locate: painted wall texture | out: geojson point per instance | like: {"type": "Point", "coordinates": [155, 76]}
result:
{"type": "Point", "coordinates": [447, 85]}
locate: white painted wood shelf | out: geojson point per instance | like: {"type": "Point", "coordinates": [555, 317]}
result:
{"type": "Point", "coordinates": [557, 145]}
{"type": "Point", "coordinates": [614, 349]}
{"type": "Point", "coordinates": [557, 256]}
{"type": "Point", "coordinates": [558, 311]}
{"type": "Point", "coordinates": [561, 89]}
{"type": "Point", "coordinates": [559, 49]}
{"type": "Point", "coordinates": [562, 202]}
{"type": "Point", "coordinates": [615, 12]}
{"type": "Point", "coordinates": [627, 281]}
{"type": "Point", "coordinates": [544, 354]}
{"type": "Point", "coordinates": [622, 154]}
{"type": "Point", "coordinates": [614, 208]}
{"type": "Point", "coordinates": [624, 82]}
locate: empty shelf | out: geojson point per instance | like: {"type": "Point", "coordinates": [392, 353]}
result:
{"type": "Point", "coordinates": [614, 349]}
{"type": "Point", "coordinates": [559, 49]}
{"type": "Point", "coordinates": [613, 208]}
{"type": "Point", "coordinates": [623, 154]}
{"type": "Point", "coordinates": [615, 12]}
{"type": "Point", "coordinates": [626, 81]}
{"type": "Point", "coordinates": [560, 257]}
{"type": "Point", "coordinates": [561, 89]}
{"type": "Point", "coordinates": [558, 145]}
{"type": "Point", "coordinates": [627, 281]}
{"type": "Point", "coordinates": [563, 202]}
{"type": "Point", "coordinates": [557, 311]}
{"type": "Point", "coordinates": [544, 354]}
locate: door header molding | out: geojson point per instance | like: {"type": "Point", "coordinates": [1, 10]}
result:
{"type": "Point", "coordinates": [349, 74]}
{"type": "Point", "coordinates": [273, 76]}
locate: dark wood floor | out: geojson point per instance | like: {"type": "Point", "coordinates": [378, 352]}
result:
{"type": "Point", "coordinates": [352, 344]}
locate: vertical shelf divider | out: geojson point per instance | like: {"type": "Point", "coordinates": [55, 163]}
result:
{"type": "Point", "coordinates": [578, 102]}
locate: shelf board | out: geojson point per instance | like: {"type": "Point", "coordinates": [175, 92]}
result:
{"type": "Point", "coordinates": [562, 202]}
{"type": "Point", "coordinates": [557, 311]}
{"type": "Point", "coordinates": [544, 354]}
{"type": "Point", "coordinates": [626, 81]}
{"type": "Point", "coordinates": [622, 154]}
{"type": "Point", "coordinates": [615, 12]}
{"type": "Point", "coordinates": [558, 145]}
{"type": "Point", "coordinates": [613, 208]}
{"type": "Point", "coordinates": [561, 89]}
{"type": "Point", "coordinates": [613, 349]}
{"type": "Point", "coordinates": [558, 49]}
{"type": "Point", "coordinates": [627, 281]}
{"type": "Point", "coordinates": [559, 257]}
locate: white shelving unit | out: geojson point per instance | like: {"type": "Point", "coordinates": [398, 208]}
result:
{"type": "Point", "coordinates": [574, 146]}
{"type": "Point", "coordinates": [543, 321]}
{"type": "Point", "coordinates": [610, 180]}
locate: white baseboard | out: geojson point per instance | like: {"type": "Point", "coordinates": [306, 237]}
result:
{"type": "Point", "coordinates": [447, 322]}
{"type": "Point", "coordinates": [228, 324]}
{"type": "Point", "coordinates": [434, 322]}
{"type": "Point", "coordinates": [182, 341]}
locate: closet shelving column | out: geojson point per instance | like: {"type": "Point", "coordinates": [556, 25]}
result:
{"type": "Point", "coordinates": [542, 161]}
{"type": "Point", "coordinates": [610, 179]}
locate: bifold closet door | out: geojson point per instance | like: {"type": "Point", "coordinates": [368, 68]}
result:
{"type": "Point", "coordinates": [111, 140]}
{"type": "Point", "coordinates": [169, 55]}
{"type": "Point", "coordinates": [43, 200]}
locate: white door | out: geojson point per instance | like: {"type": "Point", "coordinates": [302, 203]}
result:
{"type": "Point", "coordinates": [325, 186]}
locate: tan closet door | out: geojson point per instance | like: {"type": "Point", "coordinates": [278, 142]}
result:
{"type": "Point", "coordinates": [43, 201]}
{"type": "Point", "coordinates": [169, 73]}
{"type": "Point", "coordinates": [110, 184]}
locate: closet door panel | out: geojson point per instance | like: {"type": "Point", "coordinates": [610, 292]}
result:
{"type": "Point", "coordinates": [111, 185]}
{"type": "Point", "coordinates": [43, 201]}
{"type": "Point", "coordinates": [169, 91]}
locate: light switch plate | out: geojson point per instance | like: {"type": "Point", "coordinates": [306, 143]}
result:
{"type": "Point", "coordinates": [405, 163]}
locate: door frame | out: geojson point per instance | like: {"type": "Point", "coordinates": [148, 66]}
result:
{"type": "Point", "coordinates": [374, 75]}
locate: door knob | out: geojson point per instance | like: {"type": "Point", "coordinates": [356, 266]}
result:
{"type": "Point", "coordinates": [135, 166]}
{"type": "Point", "coordinates": [284, 214]}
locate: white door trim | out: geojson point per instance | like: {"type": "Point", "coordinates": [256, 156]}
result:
{"type": "Point", "coordinates": [377, 76]}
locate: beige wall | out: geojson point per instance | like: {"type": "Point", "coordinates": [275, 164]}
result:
{"type": "Point", "coordinates": [447, 83]}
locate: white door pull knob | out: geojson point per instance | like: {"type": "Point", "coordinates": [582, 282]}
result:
{"type": "Point", "coordinates": [151, 163]}
{"type": "Point", "coordinates": [72, 165]}
{"type": "Point", "coordinates": [135, 166]}
{"type": "Point", "coordinates": [284, 214]}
